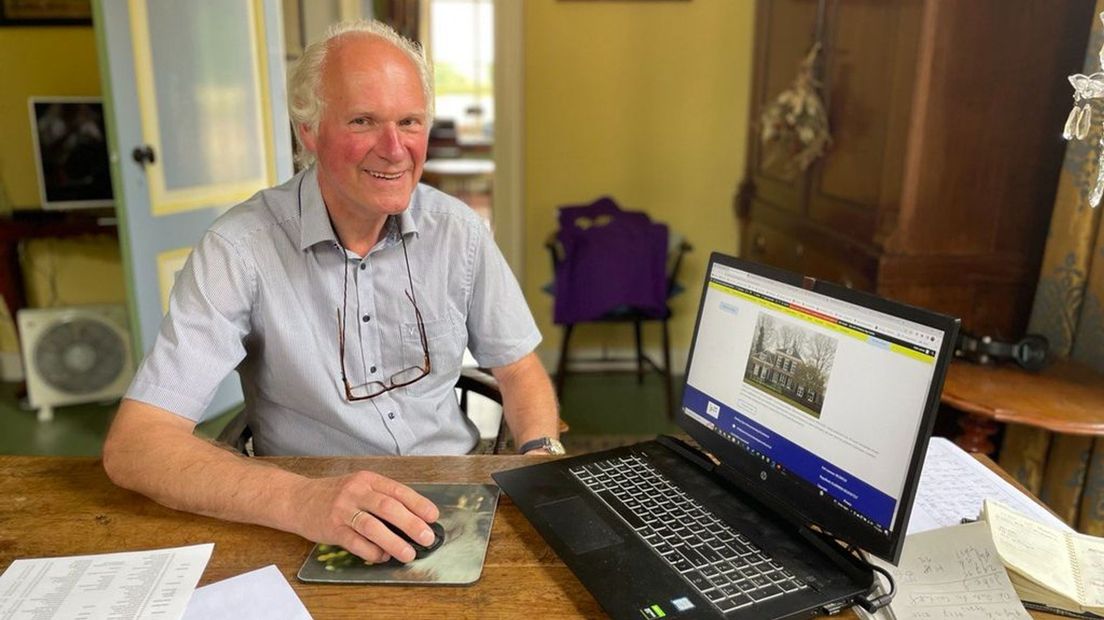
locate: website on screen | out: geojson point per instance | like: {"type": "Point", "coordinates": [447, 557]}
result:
{"type": "Point", "coordinates": [828, 391]}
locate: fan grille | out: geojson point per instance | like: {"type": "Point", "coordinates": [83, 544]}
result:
{"type": "Point", "coordinates": [80, 356]}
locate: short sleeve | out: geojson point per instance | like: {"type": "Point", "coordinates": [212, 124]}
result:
{"type": "Point", "coordinates": [501, 329]}
{"type": "Point", "coordinates": [201, 339]}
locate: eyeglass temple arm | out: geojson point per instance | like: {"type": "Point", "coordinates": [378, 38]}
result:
{"type": "Point", "coordinates": [341, 351]}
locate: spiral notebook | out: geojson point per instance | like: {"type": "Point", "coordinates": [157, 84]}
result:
{"type": "Point", "coordinates": [1052, 570]}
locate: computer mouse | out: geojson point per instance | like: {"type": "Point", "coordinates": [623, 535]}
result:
{"type": "Point", "coordinates": [419, 550]}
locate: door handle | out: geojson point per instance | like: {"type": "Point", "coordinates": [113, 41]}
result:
{"type": "Point", "coordinates": [143, 155]}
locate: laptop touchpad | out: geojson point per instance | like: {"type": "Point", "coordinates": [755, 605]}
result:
{"type": "Point", "coordinates": [578, 525]}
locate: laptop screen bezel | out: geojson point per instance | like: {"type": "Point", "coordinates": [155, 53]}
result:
{"type": "Point", "coordinates": [796, 500]}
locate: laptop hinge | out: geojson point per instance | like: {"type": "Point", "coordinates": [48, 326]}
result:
{"type": "Point", "coordinates": [687, 451]}
{"type": "Point", "coordinates": [808, 283]}
{"type": "Point", "coordinates": [826, 543]}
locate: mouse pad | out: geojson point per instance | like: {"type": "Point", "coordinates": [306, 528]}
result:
{"type": "Point", "coordinates": [467, 511]}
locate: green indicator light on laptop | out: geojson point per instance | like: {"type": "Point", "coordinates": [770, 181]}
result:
{"type": "Point", "coordinates": [658, 611]}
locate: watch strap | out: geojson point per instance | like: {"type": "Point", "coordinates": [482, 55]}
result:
{"type": "Point", "coordinates": [533, 444]}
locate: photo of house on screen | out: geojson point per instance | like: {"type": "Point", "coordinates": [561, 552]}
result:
{"type": "Point", "coordinates": [791, 363]}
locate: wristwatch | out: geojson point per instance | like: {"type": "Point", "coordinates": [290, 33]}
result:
{"type": "Point", "coordinates": [549, 445]}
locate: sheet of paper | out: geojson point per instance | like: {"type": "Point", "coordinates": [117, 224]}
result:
{"type": "Point", "coordinates": [262, 594]}
{"type": "Point", "coordinates": [118, 586]}
{"type": "Point", "coordinates": [953, 485]}
{"type": "Point", "coordinates": [953, 572]}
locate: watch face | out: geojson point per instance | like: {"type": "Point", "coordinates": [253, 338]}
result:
{"type": "Point", "coordinates": [555, 447]}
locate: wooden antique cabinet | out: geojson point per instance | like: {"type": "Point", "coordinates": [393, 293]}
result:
{"type": "Point", "coordinates": [946, 120]}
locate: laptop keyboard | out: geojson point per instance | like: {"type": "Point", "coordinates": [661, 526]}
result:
{"type": "Point", "coordinates": [718, 561]}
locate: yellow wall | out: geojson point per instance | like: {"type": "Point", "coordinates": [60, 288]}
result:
{"type": "Point", "coordinates": [38, 61]}
{"type": "Point", "coordinates": [648, 103]}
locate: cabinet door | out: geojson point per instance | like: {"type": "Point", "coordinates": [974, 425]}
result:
{"type": "Point", "coordinates": [785, 30]}
{"type": "Point", "coordinates": [869, 74]}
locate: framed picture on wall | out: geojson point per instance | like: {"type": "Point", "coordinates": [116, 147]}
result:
{"type": "Point", "coordinates": [70, 151]}
{"type": "Point", "coordinates": [45, 12]}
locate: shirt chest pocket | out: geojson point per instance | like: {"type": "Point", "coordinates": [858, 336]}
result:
{"type": "Point", "coordinates": [445, 343]}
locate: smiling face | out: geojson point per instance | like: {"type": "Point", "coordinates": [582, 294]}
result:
{"type": "Point", "coordinates": [372, 138]}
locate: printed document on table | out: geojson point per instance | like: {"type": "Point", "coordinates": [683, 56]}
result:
{"type": "Point", "coordinates": [953, 486]}
{"type": "Point", "coordinates": [115, 586]}
{"type": "Point", "coordinates": [262, 594]}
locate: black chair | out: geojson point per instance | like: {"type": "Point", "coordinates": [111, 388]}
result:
{"type": "Point", "coordinates": [238, 435]}
{"type": "Point", "coordinates": [677, 250]}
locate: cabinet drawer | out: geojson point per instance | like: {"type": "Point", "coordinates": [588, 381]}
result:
{"type": "Point", "coordinates": [769, 246]}
{"type": "Point", "coordinates": [810, 254]}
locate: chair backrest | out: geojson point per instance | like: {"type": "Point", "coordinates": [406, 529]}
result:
{"type": "Point", "coordinates": [480, 381]}
{"type": "Point", "coordinates": [677, 248]}
{"type": "Point", "coordinates": [605, 258]}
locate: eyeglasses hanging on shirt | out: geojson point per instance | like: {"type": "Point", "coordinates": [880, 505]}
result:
{"type": "Point", "coordinates": [405, 376]}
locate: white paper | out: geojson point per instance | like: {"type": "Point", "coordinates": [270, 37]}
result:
{"type": "Point", "coordinates": [953, 572]}
{"type": "Point", "coordinates": [262, 594]}
{"type": "Point", "coordinates": [112, 586]}
{"type": "Point", "coordinates": [953, 485]}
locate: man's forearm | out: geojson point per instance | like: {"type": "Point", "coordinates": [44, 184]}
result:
{"type": "Point", "coordinates": [528, 400]}
{"type": "Point", "coordinates": [154, 452]}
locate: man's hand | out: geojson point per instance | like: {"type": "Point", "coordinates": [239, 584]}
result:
{"type": "Point", "coordinates": [349, 511]}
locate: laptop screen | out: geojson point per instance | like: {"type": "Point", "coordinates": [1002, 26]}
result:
{"type": "Point", "coordinates": [824, 400]}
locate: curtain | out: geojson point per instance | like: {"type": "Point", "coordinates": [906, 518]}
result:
{"type": "Point", "coordinates": [1067, 471]}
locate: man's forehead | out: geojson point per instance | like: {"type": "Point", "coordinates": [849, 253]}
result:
{"type": "Point", "coordinates": [361, 50]}
{"type": "Point", "coordinates": [365, 62]}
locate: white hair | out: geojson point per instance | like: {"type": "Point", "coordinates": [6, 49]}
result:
{"type": "Point", "coordinates": [305, 101]}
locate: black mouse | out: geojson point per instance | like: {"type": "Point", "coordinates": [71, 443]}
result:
{"type": "Point", "coordinates": [419, 550]}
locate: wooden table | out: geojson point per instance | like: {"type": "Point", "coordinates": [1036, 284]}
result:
{"type": "Point", "coordinates": [55, 506]}
{"type": "Point", "coordinates": [1052, 417]}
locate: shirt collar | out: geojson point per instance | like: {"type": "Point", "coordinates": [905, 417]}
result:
{"type": "Point", "coordinates": [315, 225]}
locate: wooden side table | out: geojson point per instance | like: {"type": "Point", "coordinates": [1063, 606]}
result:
{"type": "Point", "coordinates": [1053, 419]}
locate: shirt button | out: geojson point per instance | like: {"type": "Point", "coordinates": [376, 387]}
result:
{"type": "Point", "coordinates": [365, 318]}
{"type": "Point", "coordinates": [363, 266]}
{"type": "Point", "coordinates": [372, 369]}
{"type": "Point", "coordinates": [390, 415]}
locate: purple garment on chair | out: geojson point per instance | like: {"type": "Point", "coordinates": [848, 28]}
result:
{"type": "Point", "coordinates": [612, 259]}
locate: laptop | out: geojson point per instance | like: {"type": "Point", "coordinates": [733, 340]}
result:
{"type": "Point", "coordinates": [811, 406]}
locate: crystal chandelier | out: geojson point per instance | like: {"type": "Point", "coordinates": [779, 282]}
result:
{"type": "Point", "coordinates": [1079, 123]}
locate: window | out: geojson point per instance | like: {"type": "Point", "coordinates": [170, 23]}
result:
{"type": "Point", "coordinates": [462, 47]}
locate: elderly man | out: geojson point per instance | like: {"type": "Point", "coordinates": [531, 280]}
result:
{"type": "Point", "coordinates": [345, 299]}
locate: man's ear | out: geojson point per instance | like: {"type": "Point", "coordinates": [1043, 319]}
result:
{"type": "Point", "coordinates": [309, 137]}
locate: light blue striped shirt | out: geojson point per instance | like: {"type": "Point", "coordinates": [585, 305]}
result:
{"type": "Point", "coordinates": [260, 294]}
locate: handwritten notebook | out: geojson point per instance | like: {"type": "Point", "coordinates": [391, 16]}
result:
{"type": "Point", "coordinates": [1049, 568]}
{"type": "Point", "coordinates": [952, 573]}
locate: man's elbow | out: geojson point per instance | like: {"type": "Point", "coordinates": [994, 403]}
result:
{"type": "Point", "coordinates": [129, 442]}
{"type": "Point", "coordinates": [114, 459]}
